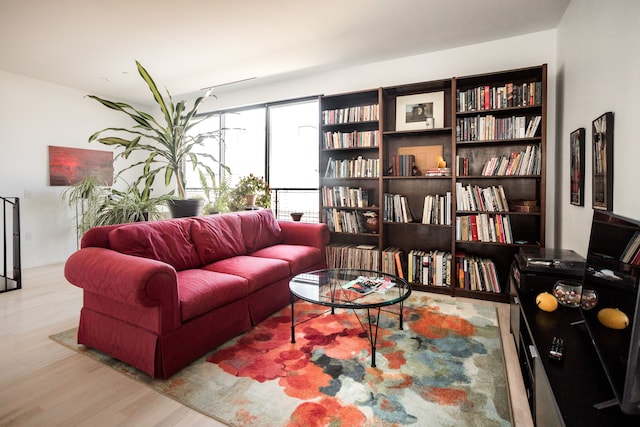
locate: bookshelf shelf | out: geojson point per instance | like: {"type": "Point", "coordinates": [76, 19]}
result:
{"type": "Point", "coordinates": [511, 105]}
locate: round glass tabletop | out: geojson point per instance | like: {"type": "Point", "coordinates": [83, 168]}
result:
{"type": "Point", "coordinates": [350, 288]}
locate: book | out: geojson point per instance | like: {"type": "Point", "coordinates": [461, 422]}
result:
{"type": "Point", "coordinates": [365, 285]}
{"type": "Point", "coordinates": [399, 269]}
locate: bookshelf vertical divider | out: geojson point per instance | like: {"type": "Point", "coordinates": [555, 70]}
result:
{"type": "Point", "coordinates": [444, 179]}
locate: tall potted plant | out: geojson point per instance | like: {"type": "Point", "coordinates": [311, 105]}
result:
{"type": "Point", "coordinates": [168, 143]}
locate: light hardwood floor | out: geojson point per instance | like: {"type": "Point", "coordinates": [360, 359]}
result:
{"type": "Point", "coordinates": [45, 384]}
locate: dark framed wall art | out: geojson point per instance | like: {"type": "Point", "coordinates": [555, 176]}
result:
{"type": "Point", "coordinates": [576, 145]}
{"type": "Point", "coordinates": [420, 111]}
{"type": "Point", "coordinates": [602, 129]}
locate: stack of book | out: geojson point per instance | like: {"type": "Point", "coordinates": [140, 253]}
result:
{"type": "Point", "coordinates": [490, 199]}
{"type": "Point", "coordinates": [359, 167]}
{"type": "Point", "coordinates": [476, 274]}
{"type": "Point", "coordinates": [525, 162]}
{"type": "Point", "coordinates": [396, 208]}
{"type": "Point", "coordinates": [392, 261]}
{"type": "Point", "coordinates": [352, 256]}
{"type": "Point", "coordinates": [484, 228]}
{"type": "Point", "coordinates": [334, 140]}
{"type": "Point", "coordinates": [360, 113]}
{"type": "Point", "coordinates": [431, 268]}
{"type": "Point", "coordinates": [437, 209]}
{"type": "Point", "coordinates": [346, 197]}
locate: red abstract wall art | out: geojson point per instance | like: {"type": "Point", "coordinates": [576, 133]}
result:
{"type": "Point", "coordinates": [68, 166]}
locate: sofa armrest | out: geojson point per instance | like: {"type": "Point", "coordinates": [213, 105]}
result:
{"type": "Point", "coordinates": [305, 233]}
{"type": "Point", "coordinates": [127, 279]}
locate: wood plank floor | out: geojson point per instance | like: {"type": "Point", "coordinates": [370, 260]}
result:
{"type": "Point", "coordinates": [45, 384]}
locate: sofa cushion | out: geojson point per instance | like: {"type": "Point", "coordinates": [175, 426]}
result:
{"type": "Point", "coordinates": [201, 291]}
{"type": "Point", "coordinates": [259, 272]}
{"type": "Point", "coordinates": [167, 241]}
{"type": "Point", "coordinates": [217, 237]}
{"type": "Point", "coordinates": [299, 257]}
{"type": "Point", "coordinates": [260, 229]}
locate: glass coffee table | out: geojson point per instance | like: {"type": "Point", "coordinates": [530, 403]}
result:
{"type": "Point", "coordinates": [351, 289]}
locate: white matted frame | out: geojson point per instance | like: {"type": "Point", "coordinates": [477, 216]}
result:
{"type": "Point", "coordinates": [420, 111]}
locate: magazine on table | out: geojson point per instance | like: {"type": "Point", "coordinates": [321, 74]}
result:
{"type": "Point", "coordinates": [365, 285]}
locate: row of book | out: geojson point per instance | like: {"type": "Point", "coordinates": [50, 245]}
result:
{"type": "Point", "coordinates": [462, 166]}
{"type": "Point", "coordinates": [332, 140]}
{"type": "Point", "coordinates": [476, 274]}
{"type": "Point", "coordinates": [525, 162]}
{"type": "Point", "coordinates": [491, 128]}
{"type": "Point", "coordinates": [403, 165]}
{"type": "Point", "coordinates": [476, 198]}
{"type": "Point", "coordinates": [396, 208]}
{"type": "Point", "coordinates": [437, 209]}
{"type": "Point", "coordinates": [359, 113]}
{"type": "Point", "coordinates": [364, 257]}
{"type": "Point", "coordinates": [359, 167]}
{"type": "Point", "coordinates": [494, 97]}
{"type": "Point", "coordinates": [345, 197]}
{"type": "Point", "coordinates": [631, 253]}
{"type": "Point", "coordinates": [484, 228]}
{"type": "Point", "coordinates": [392, 261]}
{"type": "Point", "coordinates": [431, 268]}
{"type": "Point", "coordinates": [344, 221]}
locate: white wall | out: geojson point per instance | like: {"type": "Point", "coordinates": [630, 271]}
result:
{"type": "Point", "coordinates": [36, 114]}
{"type": "Point", "coordinates": [598, 70]}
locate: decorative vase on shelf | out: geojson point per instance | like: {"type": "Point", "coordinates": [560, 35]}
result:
{"type": "Point", "coordinates": [296, 216]}
{"type": "Point", "coordinates": [371, 221]}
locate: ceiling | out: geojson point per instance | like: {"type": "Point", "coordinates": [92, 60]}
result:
{"type": "Point", "coordinates": [187, 45]}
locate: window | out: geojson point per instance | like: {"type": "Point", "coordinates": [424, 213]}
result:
{"type": "Point", "coordinates": [244, 142]}
{"type": "Point", "coordinates": [277, 141]}
{"type": "Point", "coordinates": [293, 145]}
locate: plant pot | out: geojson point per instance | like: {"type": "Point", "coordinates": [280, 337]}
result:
{"type": "Point", "coordinates": [296, 216]}
{"type": "Point", "coordinates": [184, 208]}
{"type": "Point", "coordinates": [251, 199]}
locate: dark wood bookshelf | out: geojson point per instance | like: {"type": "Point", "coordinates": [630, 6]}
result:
{"type": "Point", "coordinates": [528, 228]}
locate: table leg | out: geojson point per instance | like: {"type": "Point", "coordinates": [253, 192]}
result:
{"type": "Point", "coordinates": [401, 315]}
{"type": "Point", "coordinates": [293, 325]}
{"type": "Point", "coordinates": [373, 336]}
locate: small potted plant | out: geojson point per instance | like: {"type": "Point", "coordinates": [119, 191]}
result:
{"type": "Point", "coordinates": [251, 185]}
{"type": "Point", "coordinates": [86, 197]}
{"type": "Point", "coordinates": [217, 198]}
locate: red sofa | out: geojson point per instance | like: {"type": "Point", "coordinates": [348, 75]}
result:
{"type": "Point", "coordinates": [158, 295]}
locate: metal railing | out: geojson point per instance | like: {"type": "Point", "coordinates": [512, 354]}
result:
{"type": "Point", "coordinates": [10, 280]}
{"type": "Point", "coordinates": [287, 201]}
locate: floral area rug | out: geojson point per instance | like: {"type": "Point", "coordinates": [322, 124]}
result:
{"type": "Point", "coordinates": [446, 368]}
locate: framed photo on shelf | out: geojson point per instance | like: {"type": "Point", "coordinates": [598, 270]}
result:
{"type": "Point", "coordinates": [602, 130]}
{"type": "Point", "coordinates": [420, 111]}
{"type": "Point", "coordinates": [576, 145]}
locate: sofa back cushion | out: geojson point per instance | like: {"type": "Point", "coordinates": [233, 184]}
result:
{"type": "Point", "coordinates": [217, 237]}
{"type": "Point", "coordinates": [167, 241]}
{"type": "Point", "coordinates": [260, 229]}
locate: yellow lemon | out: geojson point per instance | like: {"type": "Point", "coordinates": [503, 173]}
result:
{"type": "Point", "coordinates": [547, 302]}
{"type": "Point", "coordinates": [613, 318]}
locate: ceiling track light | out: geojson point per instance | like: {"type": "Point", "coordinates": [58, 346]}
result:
{"type": "Point", "coordinates": [228, 83]}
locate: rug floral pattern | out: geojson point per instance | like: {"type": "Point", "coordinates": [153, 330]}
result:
{"type": "Point", "coordinates": [446, 368]}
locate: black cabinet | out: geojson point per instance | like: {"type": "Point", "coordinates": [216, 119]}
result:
{"type": "Point", "coordinates": [566, 392]}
